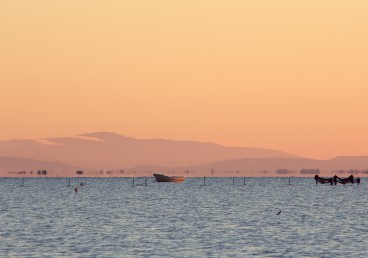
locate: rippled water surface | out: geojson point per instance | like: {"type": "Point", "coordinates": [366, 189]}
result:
{"type": "Point", "coordinates": [110, 218]}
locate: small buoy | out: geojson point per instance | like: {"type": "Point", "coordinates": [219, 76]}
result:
{"type": "Point", "coordinates": [76, 189]}
{"type": "Point", "coordinates": [279, 213]}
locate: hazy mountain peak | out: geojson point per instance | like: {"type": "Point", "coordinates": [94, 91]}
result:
{"type": "Point", "coordinates": [106, 136]}
{"type": "Point", "coordinates": [102, 134]}
{"type": "Point", "coordinates": [45, 141]}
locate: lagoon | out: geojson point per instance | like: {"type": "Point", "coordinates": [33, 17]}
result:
{"type": "Point", "coordinates": [109, 217]}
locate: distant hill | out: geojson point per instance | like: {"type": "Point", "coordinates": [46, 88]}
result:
{"type": "Point", "coordinates": [105, 150]}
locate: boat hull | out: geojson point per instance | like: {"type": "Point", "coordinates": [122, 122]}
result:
{"type": "Point", "coordinates": [163, 178]}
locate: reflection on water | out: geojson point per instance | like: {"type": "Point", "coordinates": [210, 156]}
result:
{"type": "Point", "coordinates": [110, 218]}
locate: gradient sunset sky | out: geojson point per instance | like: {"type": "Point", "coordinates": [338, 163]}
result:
{"type": "Point", "coordinates": [287, 75]}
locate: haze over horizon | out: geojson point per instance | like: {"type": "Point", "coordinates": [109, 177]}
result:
{"type": "Point", "coordinates": [283, 75]}
{"type": "Point", "coordinates": [94, 136]}
{"type": "Point", "coordinates": [117, 155]}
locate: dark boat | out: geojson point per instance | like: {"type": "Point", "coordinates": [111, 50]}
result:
{"type": "Point", "coordinates": [163, 178]}
{"type": "Point", "coordinates": [337, 180]}
{"type": "Point", "coordinates": [347, 180]}
{"type": "Point", "coordinates": [323, 180]}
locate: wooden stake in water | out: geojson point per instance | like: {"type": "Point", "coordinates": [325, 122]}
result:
{"type": "Point", "coordinates": [133, 181]}
{"type": "Point", "coordinates": [204, 181]}
{"type": "Point", "coordinates": [22, 182]}
{"type": "Point", "coordinates": [244, 180]}
{"type": "Point", "coordinates": [289, 180]}
{"type": "Point", "coordinates": [233, 180]}
{"type": "Point", "coordinates": [69, 182]}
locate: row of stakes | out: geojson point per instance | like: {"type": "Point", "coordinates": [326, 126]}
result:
{"type": "Point", "coordinates": [204, 182]}
{"type": "Point", "coordinates": [145, 182]}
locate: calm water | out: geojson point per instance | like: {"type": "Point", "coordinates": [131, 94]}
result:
{"type": "Point", "coordinates": [110, 218]}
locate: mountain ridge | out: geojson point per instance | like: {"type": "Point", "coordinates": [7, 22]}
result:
{"type": "Point", "coordinates": [111, 151]}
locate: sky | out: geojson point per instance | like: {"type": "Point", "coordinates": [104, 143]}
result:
{"type": "Point", "coordinates": [286, 75]}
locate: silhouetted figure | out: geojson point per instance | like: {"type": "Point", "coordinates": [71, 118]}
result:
{"type": "Point", "coordinates": [76, 189]}
{"type": "Point", "coordinates": [335, 179]}
{"type": "Point", "coordinates": [316, 177]}
{"type": "Point", "coordinates": [351, 179]}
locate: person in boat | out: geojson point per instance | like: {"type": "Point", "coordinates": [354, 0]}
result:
{"type": "Point", "coordinates": [335, 179]}
{"type": "Point", "coordinates": [316, 177]}
{"type": "Point", "coordinates": [351, 179]}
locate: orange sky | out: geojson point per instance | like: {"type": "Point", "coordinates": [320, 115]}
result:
{"type": "Point", "coordinates": [288, 75]}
